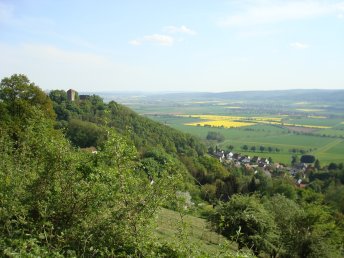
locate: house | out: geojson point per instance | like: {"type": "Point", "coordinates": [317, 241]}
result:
{"type": "Point", "coordinates": [301, 166]}
{"type": "Point", "coordinates": [242, 158]}
{"type": "Point", "coordinates": [266, 161]}
{"type": "Point", "coordinates": [261, 164]}
{"type": "Point", "coordinates": [229, 156]}
{"type": "Point", "coordinates": [246, 160]}
{"type": "Point", "coordinates": [236, 156]}
{"type": "Point", "coordinates": [220, 155]}
{"type": "Point", "coordinates": [277, 166]}
{"type": "Point", "coordinates": [255, 159]}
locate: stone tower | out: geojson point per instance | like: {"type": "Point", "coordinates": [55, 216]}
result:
{"type": "Point", "coordinates": [71, 94]}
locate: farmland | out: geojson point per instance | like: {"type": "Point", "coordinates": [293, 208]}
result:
{"type": "Point", "coordinates": [284, 126]}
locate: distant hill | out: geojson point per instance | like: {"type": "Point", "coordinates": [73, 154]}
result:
{"type": "Point", "coordinates": [287, 95]}
{"type": "Point", "coordinates": [278, 95]}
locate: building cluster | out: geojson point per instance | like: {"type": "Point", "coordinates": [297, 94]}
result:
{"type": "Point", "coordinates": [238, 159]}
{"type": "Point", "coordinates": [298, 171]}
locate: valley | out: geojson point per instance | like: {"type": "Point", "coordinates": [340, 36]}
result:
{"type": "Point", "coordinates": [286, 123]}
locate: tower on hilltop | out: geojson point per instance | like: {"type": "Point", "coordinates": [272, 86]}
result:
{"type": "Point", "coordinates": [71, 94]}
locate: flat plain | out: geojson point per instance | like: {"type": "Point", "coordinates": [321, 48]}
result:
{"type": "Point", "coordinates": [271, 124]}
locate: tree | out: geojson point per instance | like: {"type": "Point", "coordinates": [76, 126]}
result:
{"type": "Point", "coordinates": [332, 166]}
{"type": "Point", "coordinates": [284, 211]}
{"type": "Point", "coordinates": [317, 164]}
{"type": "Point", "coordinates": [245, 220]}
{"type": "Point", "coordinates": [215, 136]}
{"type": "Point", "coordinates": [295, 160]}
{"type": "Point", "coordinates": [245, 147]}
{"type": "Point", "coordinates": [335, 197]}
{"type": "Point", "coordinates": [20, 96]}
{"type": "Point", "coordinates": [261, 148]}
{"type": "Point", "coordinates": [284, 187]}
{"type": "Point", "coordinates": [270, 149]}
{"type": "Point", "coordinates": [85, 134]}
{"type": "Point", "coordinates": [315, 233]}
{"type": "Point", "coordinates": [253, 148]}
{"type": "Point", "coordinates": [307, 158]}
{"type": "Point", "coordinates": [230, 147]}
{"type": "Point", "coordinates": [58, 96]}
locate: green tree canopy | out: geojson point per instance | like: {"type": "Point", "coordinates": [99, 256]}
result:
{"type": "Point", "coordinates": [307, 158]}
{"type": "Point", "coordinates": [245, 220]}
{"type": "Point", "coordinates": [19, 95]}
{"type": "Point", "coordinates": [215, 136]}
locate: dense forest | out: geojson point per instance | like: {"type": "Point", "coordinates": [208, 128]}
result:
{"type": "Point", "coordinates": [58, 198]}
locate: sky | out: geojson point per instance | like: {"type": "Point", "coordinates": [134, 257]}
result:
{"type": "Point", "coordinates": [155, 45]}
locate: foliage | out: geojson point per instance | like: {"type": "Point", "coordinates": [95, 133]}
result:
{"type": "Point", "coordinates": [245, 220]}
{"type": "Point", "coordinates": [215, 136]}
{"type": "Point", "coordinates": [57, 201]}
{"type": "Point", "coordinates": [65, 201]}
{"type": "Point", "coordinates": [307, 158]}
{"type": "Point", "coordinates": [19, 96]}
{"type": "Point", "coordinates": [85, 134]}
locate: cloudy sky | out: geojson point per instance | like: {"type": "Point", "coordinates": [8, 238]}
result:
{"type": "Point", "coordinates": [154, 45]}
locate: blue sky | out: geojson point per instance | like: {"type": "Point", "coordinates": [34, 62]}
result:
{"type": "Point", "coordinates": [223, 45]}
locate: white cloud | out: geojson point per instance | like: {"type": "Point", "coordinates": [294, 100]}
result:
{"type": "Point", "coordinates": [164, 40]}
{"type": "Point", "coordinates": [264, 12]}
{"type": "Point", "coordinates": [160, 39]}
{"type": "Point", "coordinates": [298, 45]}
{"type": "Point", "coordinates": [182, 29]}
{"type": "Point", "coordinates": [340, 16]}
{"type": "Point", "coordinates": [135, 42]}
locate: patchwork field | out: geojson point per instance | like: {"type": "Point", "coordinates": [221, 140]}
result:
{"type": "Point", "coordinates": [283, 127]}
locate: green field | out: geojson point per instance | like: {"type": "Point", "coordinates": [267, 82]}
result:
{"type": "Point", "coordinates": [294, 131]}
{"type": "Point", "coordinates": [326, 149]}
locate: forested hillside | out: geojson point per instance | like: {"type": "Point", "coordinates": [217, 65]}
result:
{"type": "Point", "coordinates": [59, 199]}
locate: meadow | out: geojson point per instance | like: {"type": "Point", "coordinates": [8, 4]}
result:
{"type": "Point", "coordinates": [197, 230]}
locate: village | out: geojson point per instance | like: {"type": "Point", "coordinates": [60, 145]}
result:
{"type": "Point", "coordinates": [298, 171]}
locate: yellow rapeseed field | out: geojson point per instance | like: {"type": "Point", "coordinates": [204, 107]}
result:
{"type": "Point", "coordinates": [221, 123]}
{"type": "Point", "coordinates": [227, 121]}
{"type": "Point", "coordinates": [239, 121]}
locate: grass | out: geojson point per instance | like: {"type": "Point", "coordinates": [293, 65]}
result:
{"type": "Point", "coordinates": [327, 122]}
{"type": "Point", "coordinates": [199, 233]}
{"type": "Point", "coordinates": [332, 152]}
